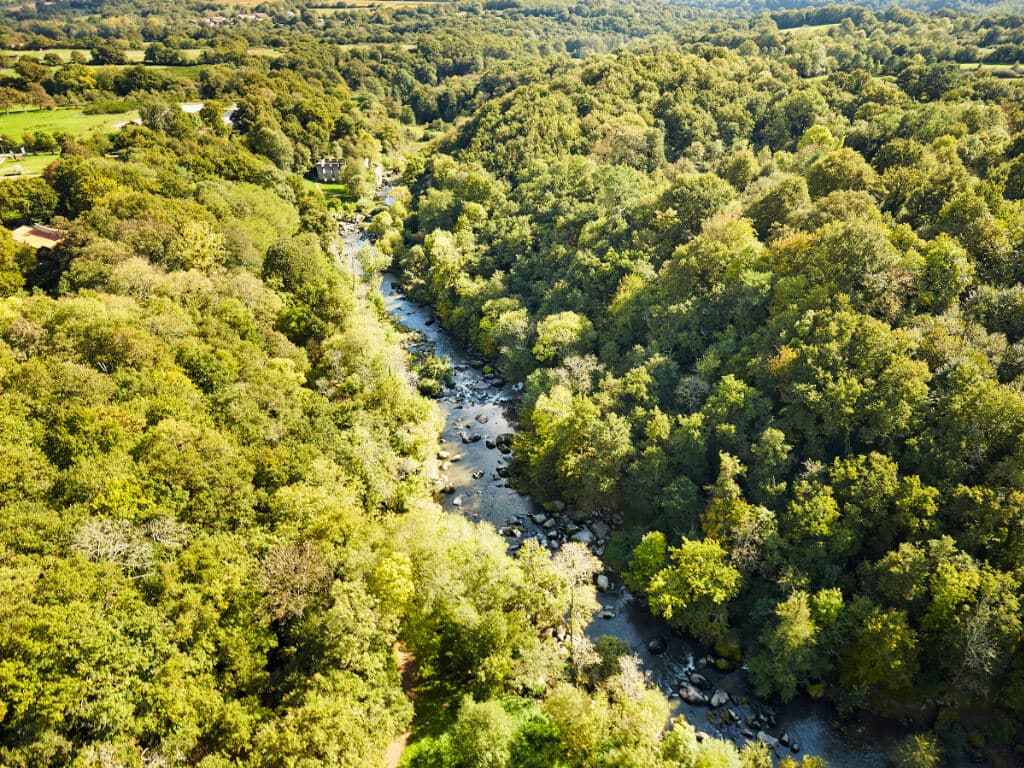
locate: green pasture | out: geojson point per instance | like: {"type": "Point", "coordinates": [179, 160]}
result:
{"type": "Point", "coordinates": [328, 189]}
{"type": "Point", "coordinates": [63, 53]}
{"type": "Point", "coordinates": [70, 120]}
{"type": "Point", "coordinates": [1005, 70]}
{"type": "Point", "coordinates": [33, 165]}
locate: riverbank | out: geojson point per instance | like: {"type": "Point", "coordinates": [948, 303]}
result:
{"type": "Point", "coordinates": [473, 467]}
{"type": "Point", "coordinates": [476, 414]}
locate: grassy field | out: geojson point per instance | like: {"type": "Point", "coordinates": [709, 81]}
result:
{"type": "Point", "coordinates": [809, 29]}
{"type": "Point", "coordinates": [188, 70]}
{"type": "Point", "coordinates": [33, 165]}
{"type": "Point", "coordinates": [348, 4]}
{"type": "Point", "coordinates": [73, 121]}
{"type": "Point", "coordinates": [1005, 70]}
{"type": "Point", "coordinates": [327, 188]}
{"type": "Point", "coordinates": [133, 55]}
{"type": "Point", "coordinates": [63, 53]}
{"type": "Point", "coordinates": [403, 46]}
{"type": "Point", "coordinates": [270, 53]}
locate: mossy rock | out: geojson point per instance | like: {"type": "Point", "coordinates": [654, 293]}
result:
{"type": "Point", "coordinates": [816, 690]}
{"type": "Point", "coordinates": [487, 370]}
{"type": "Point", "coordinates": [723, 665]}
{"type": "Point", "coordinates": [729, 648]}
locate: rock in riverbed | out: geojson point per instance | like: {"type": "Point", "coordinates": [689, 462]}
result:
{"type": "Point", "coordinates": [691, 695]}
{"type": "Point", "coordinates": [700, 681]}
{"type": "Point", "coordinates": [768, 739]}
{"type": "Point", "coordinates": [583, 537]}
{"type": "Point", "coordinates": [657, 646]}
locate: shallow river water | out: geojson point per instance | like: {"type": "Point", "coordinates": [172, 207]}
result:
{"type": "Point", "coordinates": [475, 406]}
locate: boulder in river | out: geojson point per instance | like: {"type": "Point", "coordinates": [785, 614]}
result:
{"type": "Point", "coordinates": [602, 583]}
{"type": "Point", "coordinates": [489, 442]}
{"type": "Point", "coordinates": [691, 695]}
{"type": "Point", "coordinates": [457, 501]}
{"type": "Point", "coordinates": [539, 518]}
{"type": "Point", "coordinates": [583, 537]}
{"type": "Point", "coordinates": [766, 738]}
{"type": "Point", "coordinates": [719, 699]}
{"type": "Point", "coordinates": [700, 681]}
{"type": "Point", "coordinates": [578, 515]}
{"type": "Point", "coordinates": [657, 646]}
{"type": "Point", "coordinates": [481, 418]}
{"type": "Point", "coordinates": [443, 455]}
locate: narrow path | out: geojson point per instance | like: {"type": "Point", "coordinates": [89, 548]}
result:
{"type": "Point", "coordinates": [407, 666]}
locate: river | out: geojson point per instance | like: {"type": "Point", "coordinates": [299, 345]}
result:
{"type": "Point", "coordinates": [476, 411]}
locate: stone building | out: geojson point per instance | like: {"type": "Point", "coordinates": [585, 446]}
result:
{"type": "Point", "coordinates": [328, 169]}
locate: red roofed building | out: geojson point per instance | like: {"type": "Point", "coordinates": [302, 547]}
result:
{"type": "Point", "coordinates": [38, 236]}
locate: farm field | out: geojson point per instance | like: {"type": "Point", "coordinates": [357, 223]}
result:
{"type": "Point", "coordinates": [1003, 70]}
{"type": "Point", "coordinates": [134, 56]}
{"type": "Point", "coordinates": [347, 5]}
{"type": "Point", "coordinates": [70, 120]}
{"type": "Point", "coordinates": [354, 46]}
{"type": "Point", "coordinates": [808, 29]}
{"type": "Point", "coordinates": [63, 53]}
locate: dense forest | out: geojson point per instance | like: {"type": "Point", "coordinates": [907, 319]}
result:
{"type": "Point", "coordinates": [759, 270]}
{"type": "Point", "coordinates": [767, 306]}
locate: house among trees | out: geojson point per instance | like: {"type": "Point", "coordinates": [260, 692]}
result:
{"type": "Point", "coordinates": [38, 237]}
{"type": "Point", "coordinates": [328, 169]}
